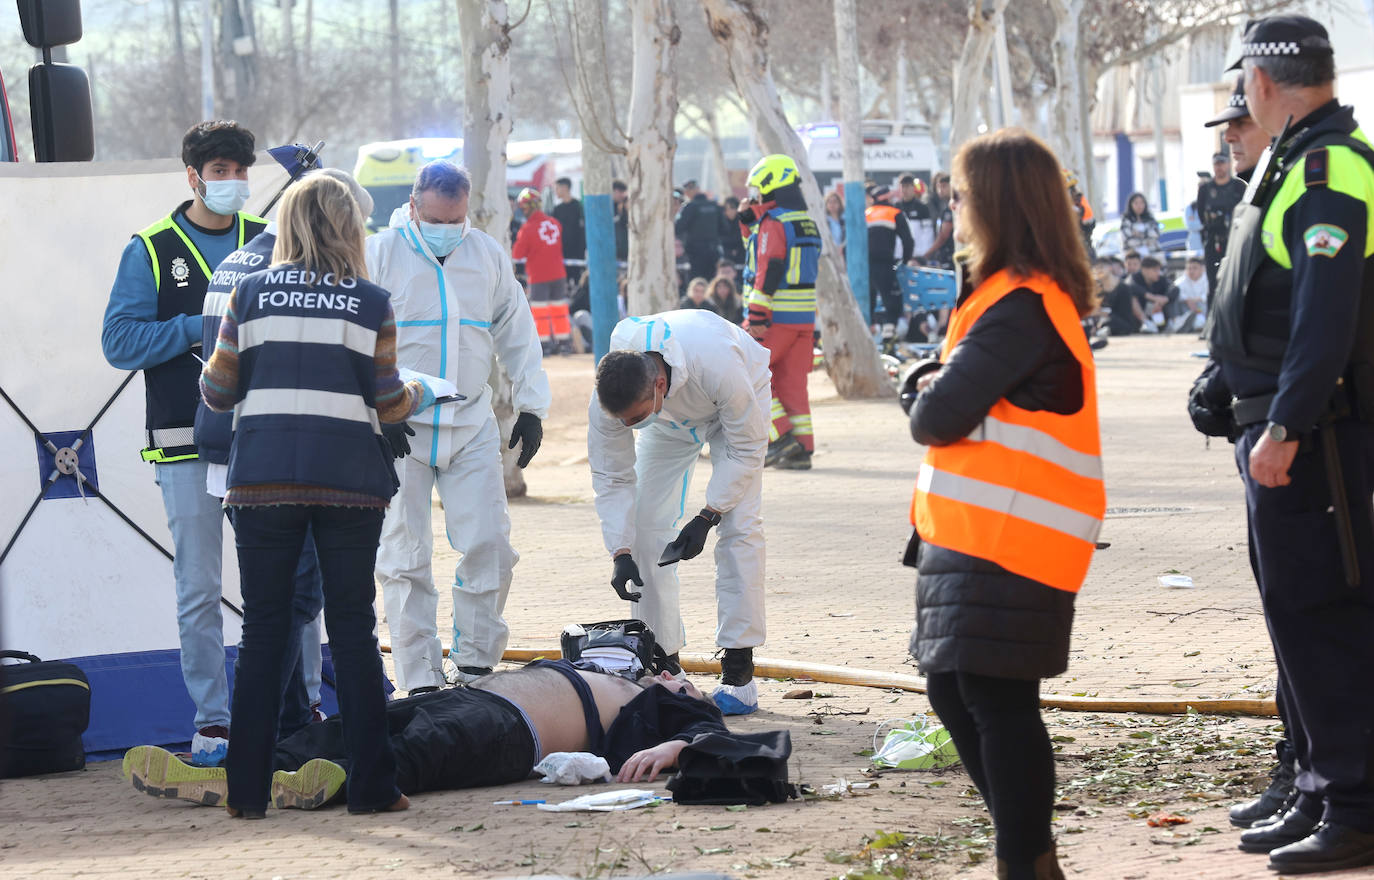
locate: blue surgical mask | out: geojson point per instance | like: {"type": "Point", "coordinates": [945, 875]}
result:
{"type": "Point", "coordinates": [442, 238]}
{"type": "Point", "coordinates": [225, 197]}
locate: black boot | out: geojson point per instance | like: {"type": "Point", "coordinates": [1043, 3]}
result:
{"type": "Point", "coordinates": [798, 459]}
{"type": "Point", "coordinates": [737, 666]}
{"type": "Point", "coordinates": [1331, 847]}
{"type": "Point", "coordinates": [1277, 798]}
{"type": "Point", "coordinates": [1294, 826]}
{"type": "Point", "coordinates": [784, 445]}
{"type": "Point", "coordinates": [1045, 867]}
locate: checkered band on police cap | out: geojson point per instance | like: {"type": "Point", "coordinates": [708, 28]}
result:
{"type": "Point", "coordinates": [1280, 36]}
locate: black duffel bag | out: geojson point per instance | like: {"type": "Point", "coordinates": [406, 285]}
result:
{"type": "Point", "coordinates": [44, 709]}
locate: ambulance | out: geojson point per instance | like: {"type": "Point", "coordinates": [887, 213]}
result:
{"type": "Point", "coordinates": [891, 149]}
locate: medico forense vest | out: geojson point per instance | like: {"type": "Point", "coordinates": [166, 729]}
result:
{"type": "Point", "coordinates": [1024, 489]}
{"type": "Point", "coordinates": [172, 388]}
{"type": "Point", "coordinates": [794, 302]}
{"type": "Point", "coordinates": [308, 380]}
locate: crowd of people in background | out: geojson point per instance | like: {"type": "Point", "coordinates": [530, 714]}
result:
{"type": "Point", "coordinates": [908, 224]}
{"type": "Point", "coordinates": [710, 245]}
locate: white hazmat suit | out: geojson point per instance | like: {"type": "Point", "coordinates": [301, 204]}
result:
{"type": "Point", "coordinates": [451, 315]}
{"type": "Point", "coordinates": [719, 394]}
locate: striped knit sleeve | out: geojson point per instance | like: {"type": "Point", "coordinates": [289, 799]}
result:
{"type": "Point", "coordinates": [396, 400]}
{"type": "Point", "coordinates": [219, 380]}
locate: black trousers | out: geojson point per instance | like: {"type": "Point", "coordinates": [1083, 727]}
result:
{"type": "Point", "coordinates": [995, 724]}
{"type": "Point", "coordinates": [448, 739]}
{"type": "Point", "coordinates": [1322, 629]}
{"type": "Point", "coordinates": [883, 294]}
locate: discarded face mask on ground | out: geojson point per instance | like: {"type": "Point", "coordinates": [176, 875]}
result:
{"type": "Point", "coordinates": [916, 744]}
{"type": "Point", "coordinates": [573, 768]}
{"type": "Point", "coordinates": [608, 801]}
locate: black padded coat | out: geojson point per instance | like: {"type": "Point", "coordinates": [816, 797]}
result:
{"type": "Point", "coordinates": [972, 615]}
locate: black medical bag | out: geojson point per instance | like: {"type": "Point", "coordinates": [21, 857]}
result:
{"type": "Point", "coordinates": [44, 709]}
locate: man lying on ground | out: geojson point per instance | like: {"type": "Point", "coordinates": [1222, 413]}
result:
{"type": "Point", "coordinates": [491, 732]}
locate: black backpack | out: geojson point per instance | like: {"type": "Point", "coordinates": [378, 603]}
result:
{"type": "Point", "coordinates": [734, 768]}
{"type": "Point", "coordinates": [44, 709]}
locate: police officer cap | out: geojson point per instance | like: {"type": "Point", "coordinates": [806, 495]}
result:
{"type": "Point", "coordinates": [1294, 36]}
{"type": "Point", "coordinates": [1235, 106]}
{"type": "Point", "coordinates": [297, 158]}
{"type": "Point", "coordinates": [878, 192]}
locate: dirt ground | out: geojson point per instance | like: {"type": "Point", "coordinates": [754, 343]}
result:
{"type": "Point", "coordinates": [836, 594]}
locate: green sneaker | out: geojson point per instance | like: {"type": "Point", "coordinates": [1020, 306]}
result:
{"type": "Point", "coordinates": [311, 787]}
{"type": "Point", "coordinates": [159, 773]}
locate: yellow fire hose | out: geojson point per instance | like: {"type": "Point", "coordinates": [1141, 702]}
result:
{"type": "Point", "coordinates": [823, 672]}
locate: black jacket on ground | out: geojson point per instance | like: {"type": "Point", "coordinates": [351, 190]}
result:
{"type": "Point", "coordinates": [972, 615]}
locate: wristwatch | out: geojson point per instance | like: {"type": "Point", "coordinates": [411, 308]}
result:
{"type": "Point", "coordinates": [1278, 433]}
{"type": "Point", "coordinates": [711, 517]}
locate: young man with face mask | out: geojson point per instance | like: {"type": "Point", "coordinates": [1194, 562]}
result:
{"type": "Point", "coordinates": [457, 303]}
{"type": "Point", "coordinates": [153, 323]}
{"type": "Point", "coordinates": [672, 383]}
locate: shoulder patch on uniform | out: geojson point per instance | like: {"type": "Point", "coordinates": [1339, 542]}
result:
{"type": "Point", "coordinates": [1324, 240]}
{"type": "Point", "coordinates": [1315, 164]}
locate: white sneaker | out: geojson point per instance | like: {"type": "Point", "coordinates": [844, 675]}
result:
{"type": "Point", "coordinates": [209, 746]}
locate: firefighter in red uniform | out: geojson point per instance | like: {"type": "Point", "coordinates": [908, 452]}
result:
{"type": "Point", "coordinates": [540, 244]}
{"type": "Point", "coordinates": [784, 257]}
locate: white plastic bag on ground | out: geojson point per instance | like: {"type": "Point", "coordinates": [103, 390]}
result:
{"type": "Point", "coordinates": [573, 768]}
{"type": "Point", "coordinates": [916, 744]}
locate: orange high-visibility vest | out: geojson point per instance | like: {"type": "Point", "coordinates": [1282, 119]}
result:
{"type": "Point", "coordinates": [1024, 489]}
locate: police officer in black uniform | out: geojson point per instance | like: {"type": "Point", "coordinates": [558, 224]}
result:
{"type": "Point", "coordinates": [1216, 200]}
{"type": "Point", "coordinates": [1247, 142]}
{"type": "Point", "coordinates": [1292, 331]}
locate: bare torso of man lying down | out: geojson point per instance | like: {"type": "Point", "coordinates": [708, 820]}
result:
{"type": "Point", "coordinates": [491, 732]}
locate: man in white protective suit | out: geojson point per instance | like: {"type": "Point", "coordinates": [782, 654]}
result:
{"type": "Point", "coordinates": [456, 301]}
{"type": "Point", "coordinates": [671, 383]}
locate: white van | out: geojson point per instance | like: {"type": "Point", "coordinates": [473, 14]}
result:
{"type": "Point", "coordinates": [891, 149]}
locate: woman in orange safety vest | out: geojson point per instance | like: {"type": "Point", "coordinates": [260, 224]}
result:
{"type": "Point", "coordinates": [1009, 499]}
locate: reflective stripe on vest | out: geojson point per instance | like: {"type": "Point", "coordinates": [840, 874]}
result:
{"type": "Point", "coordinates": [1024, 489]}
{"type": "Point", "coordinates": [794, 302]}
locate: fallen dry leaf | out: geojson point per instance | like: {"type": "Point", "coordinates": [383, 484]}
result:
{"type": "Point", "coordinates": [797, 695]}
{"type": "Point", "coordinates": [1164, 820]}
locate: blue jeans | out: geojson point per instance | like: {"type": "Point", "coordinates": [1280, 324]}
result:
{"type": "Point", "coordinates": [195, 520]}
{"type": "Point", "coordinates": [269, 542]}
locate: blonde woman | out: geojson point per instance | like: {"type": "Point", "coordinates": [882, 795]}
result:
{"type": "Point", "coordinates": [306, 358]}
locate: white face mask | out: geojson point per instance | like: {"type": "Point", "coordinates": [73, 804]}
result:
{"type": "Point", "coordinates": [651, 417]}
{"type": "Point", "coordinates": [224, 197]}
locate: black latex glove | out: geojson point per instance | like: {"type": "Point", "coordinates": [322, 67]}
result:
{"type": "Point", "coordinates": [908, 395]}
{"type": "Point", "coordinates": [529, 433]}
{"type": "Point", "coordinates": [626, 571]}
{"type": "Point", "coordinates": [1209, 404]}
{"type": "Point", "coordinates": [690, 541]}
{"type": "Point", "coordinates": [396, 435]}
